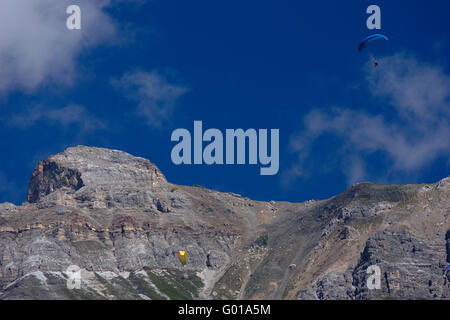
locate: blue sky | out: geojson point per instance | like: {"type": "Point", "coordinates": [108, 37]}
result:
{"type": "Point", "coordinates": [137, 70]}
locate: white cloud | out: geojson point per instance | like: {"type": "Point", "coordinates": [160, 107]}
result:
{"type": "Point", "coordinates": [36, 47]}
{"type": "Point", "coordinates": [154, 94]}
{"type": "Point", "coordinates": [66, 117]}
{"type": "Point", "coordinates": [415, 90]}
{"type": "Point", "coordinates": [417, 132]}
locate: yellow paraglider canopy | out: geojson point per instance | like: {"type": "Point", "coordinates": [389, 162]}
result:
{"type": "Point", "coordinates": [182, 256]}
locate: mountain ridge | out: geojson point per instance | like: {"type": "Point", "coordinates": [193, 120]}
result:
{"type": "Point", "coordinates": [118, 219]}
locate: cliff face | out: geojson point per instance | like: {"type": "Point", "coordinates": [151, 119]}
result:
{"type": "Point", "coordinates": [117, 220]}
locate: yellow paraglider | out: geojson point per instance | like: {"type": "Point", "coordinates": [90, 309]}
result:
{"type": "Point", "coordinates": [183, 257]}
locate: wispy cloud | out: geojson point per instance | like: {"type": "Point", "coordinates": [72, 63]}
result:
{"type": "Point", "coordinates": [67, 116]}
{"type": "Point", "coordinates": [414, 133]}
{"type": "Point", "coordinates": [153, 93]}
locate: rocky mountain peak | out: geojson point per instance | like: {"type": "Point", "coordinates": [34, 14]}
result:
{"type": "Point", "coordinates": [91, 168]}
{"type": "Point", "coordinates": [117, 218]}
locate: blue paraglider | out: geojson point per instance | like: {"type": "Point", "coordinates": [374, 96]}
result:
{"type": "Point", "coordinates": [369, 39]}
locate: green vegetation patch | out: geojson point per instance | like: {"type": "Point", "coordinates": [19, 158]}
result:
{"type": "Point", "coordinates": [143, 287]}
{"type": "Point", "coordinates": [81, 294]}
{"type": "Point", "coordinates": [229, 283]}
{"type": "Point", "coordinates": [374, 192]}
{"type": "Point", "coordinates": [262, 240]}
{"type": "Point", "coordinates": [176, 284]}
{"type": "Point", "coordinates": [118, 287]}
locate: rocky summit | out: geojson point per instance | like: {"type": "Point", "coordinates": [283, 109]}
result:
{"type": "Point", "coordinates": [103, 224]}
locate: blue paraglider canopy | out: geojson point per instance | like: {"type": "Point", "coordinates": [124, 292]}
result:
{"type": "Point", "coordinates": [371, 38]}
